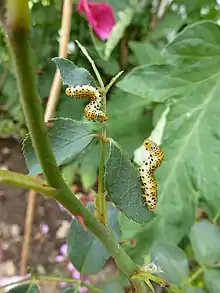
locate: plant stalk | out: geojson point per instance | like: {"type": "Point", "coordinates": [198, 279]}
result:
{"type": "Point", "coordinates": [100, 199]}
{"type": "Point", "coordinates": [195, 275]}
{"type": "Point", "coordinates": [26, 182]}
{"type": "Point", "coordinates": [19, 43]}
{"type": "Point", "coordinates": [100, 202]}
{"type": "Point", "coordinates": [51, 279]}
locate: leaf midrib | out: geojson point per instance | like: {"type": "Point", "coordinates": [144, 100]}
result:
{"type": "Point", "coordinates": [184, 146]}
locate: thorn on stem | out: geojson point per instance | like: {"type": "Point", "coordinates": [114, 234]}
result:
{"type": "Point", "coordinates": [101, 137]}
{"type": "Point", "coordinates": [132, 242]}
{"type": "Point", "coordinates": [81, 221]}
{"type": "Point", "coordinates": [48, 124]}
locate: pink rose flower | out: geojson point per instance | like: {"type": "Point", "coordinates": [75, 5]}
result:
{"type": "Point", "coordinates": [100, 17]}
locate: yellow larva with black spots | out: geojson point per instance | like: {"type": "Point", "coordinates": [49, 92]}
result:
{"type": "Point", "coordinates": [85, 91]}
{"type": "Point", "coordinates": [147, 169]}
{"type": "Point", "coordinates": [93, 110]}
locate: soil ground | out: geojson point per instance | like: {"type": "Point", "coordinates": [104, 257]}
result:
{"type": "Point", "coordinates": [13, 203]}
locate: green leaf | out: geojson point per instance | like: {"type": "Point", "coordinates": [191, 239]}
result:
{"type": "Point", "coordinates": [196, 5]}
{"type": "Point", "coordinates": [158, 83]}
{"type": "Point", "coordinates": [124, 20]}
{"type": "Point", "coordinates": [116, 285]}
{"type": "Point", "coordinates": [25, 288]}
{"type": "Point", "coordinates": [194, 290]}
{"type": "Point", "coordinates": [146, 53]}
{"type": "Point", "coordinates": [167, 26]}
{"type": "Point", "coordinates": [45, 79]}
{"type": "Point", "coordinates": [113, 287]}
{"type": "Point", "coordinates": [129, 228]}
{"type": "Point", "coordinates": [123, 186]}
{"type": "Point", "coordinates": [212, 280]}
{"type": "Point", "coordinates": [159, 229]}
{"type": "Point", "coordinates": [206, 249]}
{"type": "Point", "coordinates": [69, 172]}
{"type": "Point", "coordinates": [110, 67]}
{"type": "Point", "coordinates": [173, 262]}
{"type": "Point", "coordinates": [85, 251]}
{"type": "Point", "coordinates": [70, 108]}
{"type": "Point", "coordinates": [195, 48]}
{"type": "Point", "coordinates": [89, 167]}
{"type": "Point", "coordinates": [98, 44]}
{"type": "Point", "coordinates": [137, 121]}
{"type": "Point", "coordinates": [155, 83]}
{"type": "Point", "coordinates": [71, 74]}
{"type": "Point", "coordinates": [68, 138]}
{"type": "Point", "coordinates": [118, 5]}
{"type": "Point", "coordinates": [192, 139]}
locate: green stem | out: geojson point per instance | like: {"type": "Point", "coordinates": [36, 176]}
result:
{"type": "Point", "coordinates": [51, 279]}
{"type": "Point", "coordinates": [24, 280]}
{"type": "Point", "coordinates": [98, 76]}
{"type": "Point", "coordinates": [148, 276]}
{"type": "Point", "coordinates": [195, 275]}
{"type": "Point", "coordinates": [27, 182]}
{"type": "Point", "coordinates": [112, 81]}
{"type": "Point", "coordinates": [19, 43]}
{"type": "Point", "coordinates": [100, 202]}
{"type": "Point", "coordinates": [22, 20]}
{"type": "Point", "coordinates": [215, 220]}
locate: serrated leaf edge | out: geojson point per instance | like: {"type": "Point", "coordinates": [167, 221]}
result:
{"type": "Point", "coordinates": [112, 141]}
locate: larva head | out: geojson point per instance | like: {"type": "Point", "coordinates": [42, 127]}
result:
{"type": "Point", "coordinates": [91, 113]}
{"type": "Point", "coordinates": [101, 117]}
{"type": "Point", "coordinates": [68, 91]}
{"type": "Point", "coordinates": [149, 145]}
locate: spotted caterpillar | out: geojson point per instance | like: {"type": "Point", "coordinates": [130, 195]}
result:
{"type": "Point", "coordinates": [93, 110]}
{"type": "Point", "coordinates": [146, 170]}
